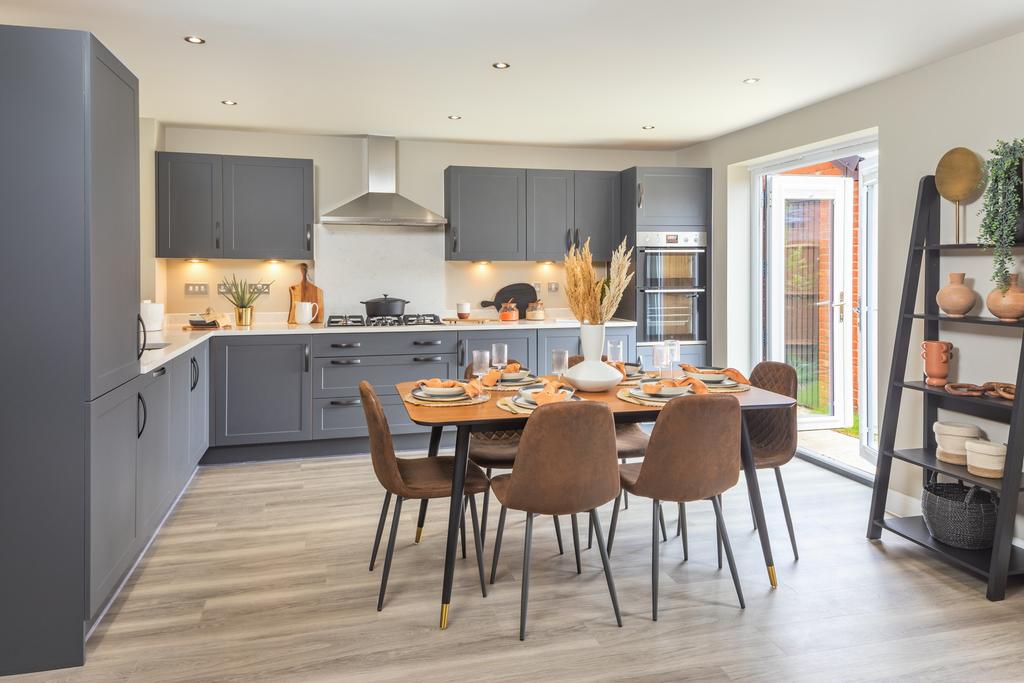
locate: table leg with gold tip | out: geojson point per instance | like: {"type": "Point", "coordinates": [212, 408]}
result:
{"type": "Point", "coordinates": [454, 517]}
{"type": "Point", "coordinates": [444, 616]}
{"type": "Point", "coordinates": [756, 505]}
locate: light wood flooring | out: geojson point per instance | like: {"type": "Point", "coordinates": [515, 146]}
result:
{"type": "Point", "coordinates": [260, 574]}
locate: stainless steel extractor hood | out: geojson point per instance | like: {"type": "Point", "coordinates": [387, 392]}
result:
{"type": "Point", "coordinates": [381, 205]}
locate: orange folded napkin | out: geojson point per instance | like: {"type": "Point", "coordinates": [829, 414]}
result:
{"type": "Point", "coordinates": [550, 393]}
{"type": "Point", "coordinates": [492, 377]}
{"type": "Point", "coordinates": [473, 388]}
{"type": "Point", "coordinates": [695, 385]}
{"type": "Point", "coordinates": [513, 367]}
{"type": "Point", "coordinates": [437, 383]}
{"type": "Point", "coordinates": [618, 365]}
{"type": "Point", "coordinates": [732, 373]}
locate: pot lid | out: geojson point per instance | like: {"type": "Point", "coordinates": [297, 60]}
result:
{"type": "Point", "coordinates": [386, 299]}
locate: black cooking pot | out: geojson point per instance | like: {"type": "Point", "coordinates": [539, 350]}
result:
{"type": "Point", "coordinates": [384, 305]}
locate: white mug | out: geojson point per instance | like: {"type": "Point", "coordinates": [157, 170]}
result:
{"type": "Point", "coordinates": [462, 309]}
{"type": "Point", "coordinates": [305, 311]}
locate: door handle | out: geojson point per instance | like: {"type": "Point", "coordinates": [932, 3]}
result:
{"type": "Point", "coordinates": [568, 239]}
{"type": "Point", "coordinates": [455, 239]}
{"type": "Point", "coordinates": [216, 235]}
{"type": "Point", "coordinates": [347, 361]}
{"type": "Point", "coordinates": [431, 342]}
{"type": "Point", "coordinates": [142, 346]}
{"type": "Point", "coordinates": [841, 305]}
{"type": "Point", "coordinates": [462, 352]}
{"type": "Point", "coordinates": [195, 374]}
{"type": "Point", "coordinates": [578, 238]}
{"type": "Point", "coordinates": [160, 372]}
{"type": "Point", "coordinates": [349, 402]}
{"type": "Point", "coordinates": [309, 237]}
{"type": "Point", "coordinates": [305, 355]}
{"type": "Point", "coordinates": [145, 416]}
{"type": "Point", "coordinates": [347, 345]}
{"type": "Point", "coordinates": [427, 359]}
{"type": "Point", "coordinates": [639, 195]}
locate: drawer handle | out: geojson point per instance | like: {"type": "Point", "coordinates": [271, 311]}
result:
{"type": "Point", "coordinates": [160, 372]}
{"type": "Point", "coordinates": [427, 359]}
{"type": "Point", "coordinates": [195, 374]}
{"type": "Point", "coordinates": [145, 416]}
{"type": "Point", "coordinates": [347, 345]}
{"type": "Point", "coordinates": [427, 342]}
{"type": "Point", "coordinates": [345, 404]}
{"type": "Point", "coordinates": [347, 361]}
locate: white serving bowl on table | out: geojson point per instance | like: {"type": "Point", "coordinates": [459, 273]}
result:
{"type": "Point", "coordinates": [443, 391]}
{"type": "Point", "coordinates": [514, 376]}
{"type": "Point", "coordinates": [713, 375]}
{"type": "Point", "coordinates": [527, 394]}
{"type": "Point", "coordinates": [666, 391]}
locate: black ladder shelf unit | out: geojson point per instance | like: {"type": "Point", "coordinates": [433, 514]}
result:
{"type": "Point", "coordinates": [1003, 559]}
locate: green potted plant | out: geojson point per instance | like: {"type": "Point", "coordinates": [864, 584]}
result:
{"type": "Point", "coordinates": [243, 297]}
{"type": "Point", "coordinates": [1002, 224]}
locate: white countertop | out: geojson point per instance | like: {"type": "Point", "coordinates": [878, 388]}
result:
{"type": "Point", "coordinates": [180, 341]}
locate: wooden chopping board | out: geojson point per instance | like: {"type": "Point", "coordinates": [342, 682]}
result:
{"type": "Point", "coordinates": [306, 291]}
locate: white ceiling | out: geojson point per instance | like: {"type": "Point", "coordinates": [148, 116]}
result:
{"type": "Point", "coordinates": [584, 72]}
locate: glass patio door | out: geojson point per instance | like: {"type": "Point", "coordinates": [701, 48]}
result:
{"type": "Point", "coordinates": [810, 295]}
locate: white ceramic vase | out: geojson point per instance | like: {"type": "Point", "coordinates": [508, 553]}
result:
{"type": "Point", "coordinates": [592, 374]}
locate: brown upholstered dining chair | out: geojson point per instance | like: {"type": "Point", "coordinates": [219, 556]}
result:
{"type": "Point", "coordinates": [773, 435]}
{"type": "Point", "coordinates": [565, 465]}
{"type": "Point", "coordinates": [694, 454]}
{"type": "Point", "coordinates": [412, 478]}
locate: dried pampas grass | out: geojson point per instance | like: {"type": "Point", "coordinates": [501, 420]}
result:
{"type": "Point", "coordinates": [592, 300]}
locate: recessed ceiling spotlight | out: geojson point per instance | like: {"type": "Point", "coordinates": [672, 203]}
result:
{"type": "Point", "coordinates": [195, 40]}
{"type": "Point", "coordinates": [229, 103]}
{"type": "Point", "coordinates": [647, 127]}
{"type": "Point", "coordinates": [454, 117]}
{"type": "Point", "coordinates": [751, 81]}
{"type": "Point", "coordinates": [501, 65]}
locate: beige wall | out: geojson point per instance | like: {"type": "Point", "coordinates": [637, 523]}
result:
{"type": "Point", "coordinates": [964, 100]}
{"type": "Point", "coordinates": [358, 262]}
{"type": "Point", "coordinates": [152, 270]}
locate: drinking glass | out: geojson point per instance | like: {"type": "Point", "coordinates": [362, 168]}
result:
{"type": "Point", "coordinates": [481, 363]}
{"type": "Point", "coordinates": [499, 355]}
{"type": "Point", "coordinates": [672, 347]}
{"type": "Point", "coordinates": [559, 362]}
{"type": "Point", "coordinates": [616, 351]}
{"type": "Point", "coordinates": [661, 357]}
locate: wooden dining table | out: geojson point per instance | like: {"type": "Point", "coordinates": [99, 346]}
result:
{"type": "Point", "coordinates": [488, 416]}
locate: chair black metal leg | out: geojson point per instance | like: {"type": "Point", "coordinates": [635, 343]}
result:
{"type": "Point", "coordinates": [576, 543]}
{"type": "Point", "coordinates": [753, 515]}
{"type": "Point", "coordinates": [718, 532]}
{"type": "Point", "coordinates": [483, 512]}
{"type": "Point", "coordinates": [661, 518]}
{"type": "Point", "coordinates": [462, 527]}
{"type": "Point", "coordinates": [497, 542]}
{"type": "Point", "coordinates": [728, 549]}
{"type": "Point", "coordinates": [615, 521]}
{"type": "Point", "coordinates": [421, 520]}
{"type": "Point", "coordinates": [596, 521]}
{"type": "Point", "coordinates": [478, 544]}
{"type": "Point", "coordinates": [682, 529]}
{"type": "Point", "coordinates": [624, 494]}
{"type": "Point", "coordinates": [389, 553]}
{"type": "Point", "coordinates": [590, 533]}
{"type": "Point", "coordinates": [655, 556]}
{"type": "Point", "coordinates": [785, 511]}
{"type": "Point", "coordinates": [525, 595]}
{"type": "Point", "coordinates": [558, 534]}
{"type": "Point", "coordinates": [380, 528]}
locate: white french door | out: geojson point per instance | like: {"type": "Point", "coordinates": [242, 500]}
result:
{"type": "Point", "coordinates": [810, 294]}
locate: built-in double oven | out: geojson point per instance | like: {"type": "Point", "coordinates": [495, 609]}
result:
{"type": "Point", "coordinates": [671, 286]}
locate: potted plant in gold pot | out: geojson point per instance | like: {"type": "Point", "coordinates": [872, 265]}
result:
{"type": "Point", "coordinates": [1002, 227]}
{"type": "Point", "coordinates": [243, 296]}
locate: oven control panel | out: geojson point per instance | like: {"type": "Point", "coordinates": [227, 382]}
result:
{"type": "Point", "coordinates": [671, 239]}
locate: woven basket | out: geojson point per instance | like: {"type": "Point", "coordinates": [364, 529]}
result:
{"type": "Point", "coordinates": [959, 516]}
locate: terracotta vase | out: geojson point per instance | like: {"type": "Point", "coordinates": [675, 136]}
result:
{"type": "Point", "coordinates": [936, 356]}
{"type": "Point", "coordinates": [956, 298]}
{"type": "Point", "coordinates": [1008, 306]}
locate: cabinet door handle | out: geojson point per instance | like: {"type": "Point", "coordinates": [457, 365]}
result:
{"type": "Point", "coordinates": [578, 246]}
{"type": "Point", "coordinates": [462, 352]}
{"type": "Point", "coordinates": [568, 239]}
{"type": "Point", "coordinates": [427, 359]}
{"type": "Point", "coordinates": [305, 356]}
{"type": "Point", "coordinates": [145, 416]}
{"type": "Point", "coordinates": [427, 342]}
{"type": "Point", "coordinates": [347, 361]}
{"type": "Point", "coordinates": [142, 346]}
{"type": "Point", "coordinates": [347, 345]}
{"type": "Point", "coordinates": [195, 374]}
{"type": "Point", "coordinates": [309, 237]}
{"type": "Point", "coordinates": [455, 239]}
{"type": "Point", "coordinates": [639, 195]}
{"type": "Point", "coordinates": [216, 235]}
{"type": "Point", "coordinates": [349, 402]}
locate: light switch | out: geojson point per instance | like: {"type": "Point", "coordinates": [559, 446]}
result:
{"type": "Point", "coordinates": [197, 289]}
{"type": "Point", "coordinates": [552, 287]}
{"type": "Point", "coordinates": [537, 286]}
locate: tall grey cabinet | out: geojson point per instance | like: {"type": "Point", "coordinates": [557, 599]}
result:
{"type": "Point", "coordinates": [69, 188]}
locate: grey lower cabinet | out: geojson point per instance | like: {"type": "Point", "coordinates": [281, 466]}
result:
{"type": "Point", "coordinates": [522, 346]}
{"type": "Point", "coordinates": [486, 210]}
{"type": "Point", "coordinates": [155, 472]}
{"type": "Point", "coordinates": [198, 405]}
{"type": "Point", "coordinates": [343, 418]}
{"type": "Point", "coordinates": [262, 387]}
{"type": "Point", "coordinates": [550, 340]}
{"type": "Point", "coordinates": [214, 206]}
{"type": "Point", "coordinates": [694, 354]}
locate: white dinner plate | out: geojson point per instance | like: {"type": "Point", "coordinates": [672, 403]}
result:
{"type": "Point", "coordinates": [444, 391]}
{"type": "Point", "coordinates": [419, 394]}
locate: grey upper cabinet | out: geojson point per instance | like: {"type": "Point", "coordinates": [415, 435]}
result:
{"type": "Point", "coordinates": [268, 207]}
{"type": "Point", "coordinates": [114, 422]}
{"type": "Point", "coordinates": [550, 214]}
{"type": "Point", "coordinates": [596, 211]}
{"type": "Point", "coordinates": [670, 196]}
{"type": "Point", "coordinates": [155, 469]}
{"type": "Point", "coordinates": [486, 210]}
{"type": "Point", "coordinates": [262, 389]}
{"type": "Point", "coordinates": [189, 205]}
{"type": "Point", "coordinates": [522, 346]}
{"type": "Point", "coordinates": [198, 404]}
{"type": "Point", "coordinates": [214, 206]}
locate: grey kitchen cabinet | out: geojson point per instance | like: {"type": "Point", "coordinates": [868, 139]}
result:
{"type": "Point", "coordinates": [340, 377]}
{"type": "Point", "coordinates": [550, 339]}
{"type": "Point", "coordinates": [189, 205]}
{"type": "Point", "coordinates": [198, 404]}
{"type": "Point", "coordinates": [343, 418]}
{"type": "Point", "coordinates": [384, 343]}
{"type": "Point", "coordinates": [268, 207]}
{"type": "Point", "coordinates": [664, 197]}
{"type": "Point", "coordinates": [694, 354]}
{"type": "Point", "coordinates": [550, 226]}
{"type": "Point", "coordinates": [627, 335]}
{"type": "Point", "coordinates": [486, 210]}
{"type": "Point", "coordinates": [69, 195]}
{"type": "Point", "coordinates": [522, 346]}
{"type": "Point", "coordinates": [596, 200]}
{"type": "Point", "coordinates": [155, 466]}
{"type": "Point", "coordinates": [181, 382]}
{"type": "Point", "coordinates": [114, 422]}
{"type": "Point", "coordinates": [262, 389]}
{"type": "Point", "coordinates": [215, 206]}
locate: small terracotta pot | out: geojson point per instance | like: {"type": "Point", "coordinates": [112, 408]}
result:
{"type": "Point", "coordinates": [956, 298]}
{"type": "Point", "coordinates": [936, 356]}
{"type": "Point", "coordinates": [1008, 306]}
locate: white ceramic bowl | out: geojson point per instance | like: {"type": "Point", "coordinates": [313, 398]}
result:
{"type": "Point", "coordinates": [443, 391]}
{"type": "Point", "coordinates": [633, 368]}
{"type": "Point", "coordinates": [514, 376]}
{"type": "Point", "coordinates": [707, 375]}
{"type": "Point", "coordinates": [527, 394]}
{"type": "Point", "coordinates": [667, 391]}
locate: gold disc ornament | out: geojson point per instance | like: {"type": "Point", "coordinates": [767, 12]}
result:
{"type": "Point", "coordinates": [958, 178]}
